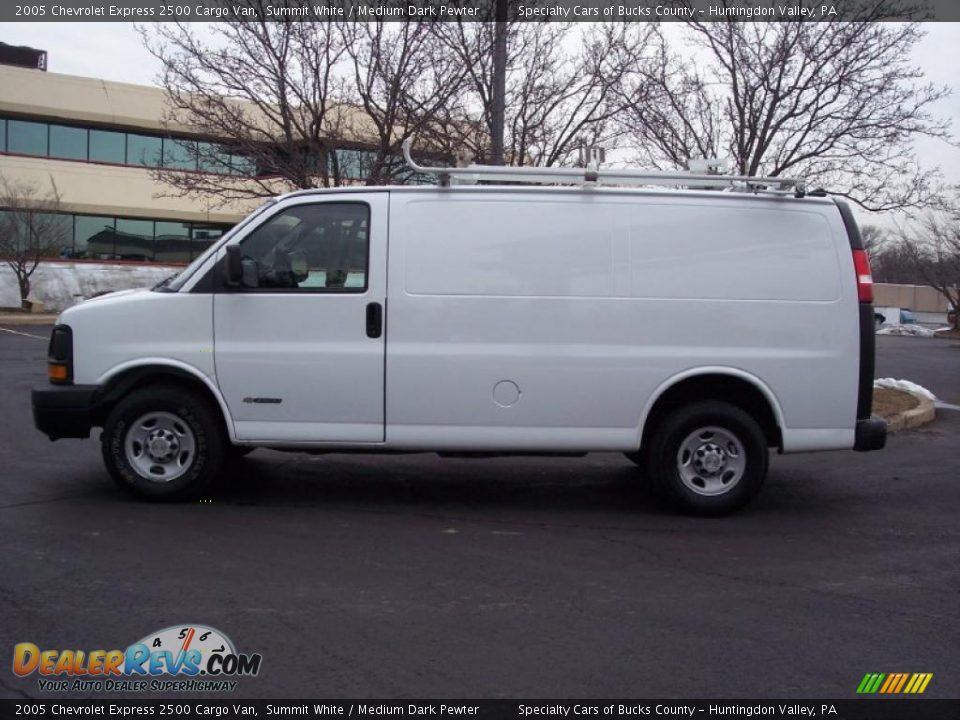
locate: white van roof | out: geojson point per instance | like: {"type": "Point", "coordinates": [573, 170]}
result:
{"type": "Point", "coordinates": [571, 191]}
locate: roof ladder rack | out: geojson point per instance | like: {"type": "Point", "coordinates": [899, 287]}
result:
{"type": "Point", "coordinates": [590, 176]}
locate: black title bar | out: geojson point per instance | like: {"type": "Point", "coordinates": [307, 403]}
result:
{"type": "Point", "coordinates": [477, 10]}
{"type": "Point", "coordinates": [233, 708]}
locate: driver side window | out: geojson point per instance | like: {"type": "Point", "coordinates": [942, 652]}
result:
{"type": "Point", "coordinates": [315, 248]}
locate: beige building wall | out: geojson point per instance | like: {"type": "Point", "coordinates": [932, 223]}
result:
{"type": "Point", "coordinates": [93, 187]}
{"type": "Point", "coordinates": [919, 298]}
{"type": "Point", "coordinates": [114, 190]}
{"type": "Point", "coordinates": [88, 100]}
{"type": "Point", "coordinates": [134, 107]}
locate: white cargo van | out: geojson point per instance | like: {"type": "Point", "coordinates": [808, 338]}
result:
{"type": "Point", "coordinates": [692, 330]}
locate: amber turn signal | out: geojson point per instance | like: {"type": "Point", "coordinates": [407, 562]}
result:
{"type": "Point", "coordinates": [57, 372]}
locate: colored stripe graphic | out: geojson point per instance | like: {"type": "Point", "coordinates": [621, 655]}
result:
{"type": "Point", "coordinates": [903, 681]}
{"type": "Point", "coordinates": [870, 683]}
{"type": "Point", "coordinates": [894, 683]}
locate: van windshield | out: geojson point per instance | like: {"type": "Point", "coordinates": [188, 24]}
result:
{"type": "Point", "coordinates": [174, 283]}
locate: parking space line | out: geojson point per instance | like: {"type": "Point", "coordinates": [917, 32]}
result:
{"type": "Point", "coordinates": [17, 332]}
{"type": "Point", "coordinates": [945, 406]}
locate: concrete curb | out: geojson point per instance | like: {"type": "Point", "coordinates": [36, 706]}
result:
{"type": "Point", "coordinates": [13, 319]}
{"type": "Point", "coordinates": [923, 414]}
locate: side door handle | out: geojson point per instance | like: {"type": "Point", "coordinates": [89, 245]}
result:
{"type": "Point", "coordinates": [374, 320]}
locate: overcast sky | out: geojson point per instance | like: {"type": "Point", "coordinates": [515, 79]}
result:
{"type": "Point", "coordinates": [114, 51]}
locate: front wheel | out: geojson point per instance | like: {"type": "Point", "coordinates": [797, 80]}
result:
{"type": "Point", "coordinates": [708, 458]}
{"type": "Point", "coordinates": [163, 443]}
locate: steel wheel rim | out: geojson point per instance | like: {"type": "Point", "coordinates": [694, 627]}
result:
{"type": "Point", "coordinates": [711, 461]}
{"type": "Point", "coordinates": [160, 447]}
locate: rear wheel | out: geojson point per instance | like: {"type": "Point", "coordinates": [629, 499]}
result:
{"type": "Point", "coordinates": [163, 443]}
{"type": "Point", "coordinates": [707, 458]}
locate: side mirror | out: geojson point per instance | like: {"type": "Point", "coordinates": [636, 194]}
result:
{"type": "Point", "coordinates": [239, 270]}
{"type": "Point", "coordinates": [233, 269]}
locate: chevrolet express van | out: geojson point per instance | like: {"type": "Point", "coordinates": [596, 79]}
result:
{"type": "Point", "coordinates": [692, 330]}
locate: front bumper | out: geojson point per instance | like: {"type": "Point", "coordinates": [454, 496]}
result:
{"type": "Point", "coordinates": [871, 434]}
{"type": "Point", "coordinates": [65, 412]}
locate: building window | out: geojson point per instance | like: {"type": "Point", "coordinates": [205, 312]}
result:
{"type": "Point", "coordinates": [93, 237]}
{"type": "Point", "coordinates": [213, 158]}
{"type": "Point", "coordinates": [242, 165]}
{"type": "Point", "coordinates": [351, 164]}
{"type": "Point", "coordinates": [88, 144]}
{"type": "Point", "coordinates": [101, 237]}
{"type": "Point", "coordinates": [206, 234]}
{"type": "Point", "coordinates": [222, 160]}
{"type": "Point", "coordinates": [144, 150]}
{"type": "Point", "coordinates": [107, 146]}
{"type": "Point", "coordinates": [68, 142]}
{"type": "Point", "coordinates": [179, 154]}
{"type": "Point", "coordinates": [172, 242]}
{"type": "Point", "coordinates": [134, 239]}
{"type": "Point", "coordinates": [61, 227]}
{"type": "Point", "coordinates": [203, 236]}
{"type": "Point", "coordinates": [26, 138]}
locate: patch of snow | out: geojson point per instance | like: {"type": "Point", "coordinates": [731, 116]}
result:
{"type": "Point", "coordinates": [904, 385]}
{"type": "Point", "coordinates": [914, 330]}
{"type": "Point", "coordinates": [59, 284]}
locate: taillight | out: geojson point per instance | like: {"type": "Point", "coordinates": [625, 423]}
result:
{"type": "Point", "coordinates": [861, 263]}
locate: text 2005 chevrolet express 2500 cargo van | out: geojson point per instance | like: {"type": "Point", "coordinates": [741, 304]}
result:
{"type": "Point", "coordinates": [692, 330]}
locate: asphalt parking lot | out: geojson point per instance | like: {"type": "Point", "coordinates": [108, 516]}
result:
{"type": "Point", "coordinates": [412, 576]}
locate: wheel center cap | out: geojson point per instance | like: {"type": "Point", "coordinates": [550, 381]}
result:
{"type": "Point", "coordinates": [159, 447]}
{"type": "Point", "coordinates": [712, 460]}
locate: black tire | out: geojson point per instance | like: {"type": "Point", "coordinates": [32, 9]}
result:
{"type": "Point", "coordinates": [679, 428]}
{"type": "Point", "coordinates": [197, 420]}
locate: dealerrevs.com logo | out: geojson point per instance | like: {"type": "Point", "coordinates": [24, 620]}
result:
{"type": "Point", "coordinates": [175, 659]}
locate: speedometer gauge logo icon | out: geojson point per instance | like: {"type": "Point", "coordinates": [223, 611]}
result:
{"type": "Point", "coordinates": [181, 639]}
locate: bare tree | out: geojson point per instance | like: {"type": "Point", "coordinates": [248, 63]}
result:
{"type": "Point", "coordinates": [875, 238]}
{"type": "Point", "coordinates": [933, 251]}
{"type": "Point", "coordinates": [290, 104]}
{"type": "Point", "coordinates": [562, 84]}
{"type": "Point", "coordinates": [405, 84]}
{"type": "Point", "coordinates": [839, 103]}
{"type": "Point", "coordinates": [890, 261]}
{"type": "Point", "coordinates": [267, 91]}
{"type": "Point", "coordinates": [31, 228]}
